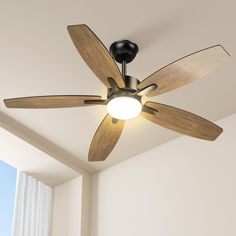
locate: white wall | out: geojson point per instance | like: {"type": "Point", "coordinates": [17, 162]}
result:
{"type": "Point", "coordinates": [66, 212]}
{"type": "Point", "coordinates": [71, 208]}
{"type": "Point", "coordinates": [182, 188]}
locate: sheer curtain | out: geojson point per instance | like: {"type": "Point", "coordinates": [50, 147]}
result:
{"type": "Point", "coordinates": [32, 207]}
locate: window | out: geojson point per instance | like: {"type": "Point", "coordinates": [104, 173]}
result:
{"type": "Point", "coordinates": [7, 197]}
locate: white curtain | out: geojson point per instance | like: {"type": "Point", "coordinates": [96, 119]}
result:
{"type": "Point", "coordinates": [32, 207]}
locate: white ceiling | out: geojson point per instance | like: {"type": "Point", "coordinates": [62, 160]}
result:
{"type": "Point", "coordinates": [25, 157]}
{"type": "Point", "coordinates": [37, 57]}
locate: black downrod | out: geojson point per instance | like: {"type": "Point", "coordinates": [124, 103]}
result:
{"type": "Point", "coordinates": [124, 68]}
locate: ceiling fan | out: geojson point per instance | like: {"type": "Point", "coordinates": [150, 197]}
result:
{"type": "Point", "coordinates": [124, 93]}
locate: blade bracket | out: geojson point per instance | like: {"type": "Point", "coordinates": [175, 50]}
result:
{"type": "Point", "coordinates": [149, 110]}
{"type": "Point", "coordinates": [95, 102]}
{"type": "Point", "coordinates": [146, 90]}
{"type": "Point", "coordinates": [113, 84]}
{"type": "Point", "coordinates": [114, 120]}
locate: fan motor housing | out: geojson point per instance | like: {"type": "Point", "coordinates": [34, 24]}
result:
{"type": "Point", "coordinates": [131, 84]}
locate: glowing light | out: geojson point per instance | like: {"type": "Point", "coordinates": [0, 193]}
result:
{"type": "Point", "coordinates": [124, 108]}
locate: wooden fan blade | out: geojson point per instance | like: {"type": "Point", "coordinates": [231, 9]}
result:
{"type": "Point", "coordinates": [95, 54]}
{"type": "Point", "coordinates": [182, 121]}
{"type": "Point", "coordinates": [105, 138]}
{"type": "Point", "coordinates": [55, 101]}
{"type": "Point", "coordinates": [185, 70]}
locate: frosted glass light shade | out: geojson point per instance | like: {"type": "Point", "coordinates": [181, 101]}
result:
{"type": "Point", "coordinates": [124, 108]}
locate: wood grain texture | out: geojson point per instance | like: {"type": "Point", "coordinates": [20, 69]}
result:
{"type": "Point", "coordinates": [183, 122]}
{"type": "Point", "coordinates": [185, 70]}
{"type": "Point", "coordinates": [105, 138]}
{"type": "Point", "coordinates": [55, 101]}
{"type": "Point", "coordinates": [95, 54]}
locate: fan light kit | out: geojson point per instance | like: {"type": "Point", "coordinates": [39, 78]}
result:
{"type": "Point", "coordinates": [124, 108]}
{"type": "Point", "coordinates": [124, 93]}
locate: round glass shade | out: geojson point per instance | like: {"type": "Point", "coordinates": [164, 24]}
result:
{"type": "Point", "coordinates": [124, 108]}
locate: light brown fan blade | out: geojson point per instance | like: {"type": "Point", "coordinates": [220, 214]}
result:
{"type": "Point", "coordinates": [105, 138]}
{"type": "Point", "coordinates": [183, 122]}
{"type": "Point", "coordinates": [185, 70]}
{"type": "Point", "coordinates": [95, 54]}
{"type": "Point", "coordinates": [56, 101]}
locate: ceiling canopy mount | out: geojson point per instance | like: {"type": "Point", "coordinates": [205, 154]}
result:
{"type": "Point", "coordinates": [124, 50]}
